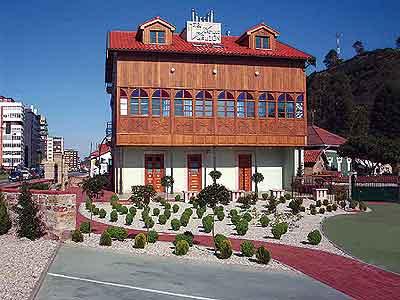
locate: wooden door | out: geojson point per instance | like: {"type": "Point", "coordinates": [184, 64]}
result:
{"type": "Point", "coordinates": [245, 172]}
{"type": "Point", "coordinates": [194, 172]}
{"type": "Point", "coordinates": [154, 170]}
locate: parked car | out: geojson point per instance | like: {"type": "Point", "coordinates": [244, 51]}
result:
{"type": "Point", "coordinates": [26, 175]}
{"type": "Point", "coordinates": [15, 176]}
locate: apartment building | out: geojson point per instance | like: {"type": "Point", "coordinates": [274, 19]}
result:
{"type": "Point", "coordinates": [72, 161]}
{"type": "Point", "coordinates": [32, 150]}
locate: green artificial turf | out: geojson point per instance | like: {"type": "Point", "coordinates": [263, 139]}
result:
{"type": "Point", "coordinates": [373, 237]}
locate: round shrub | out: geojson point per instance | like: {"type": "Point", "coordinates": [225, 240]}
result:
{"type": "Point", "coordinates": [117, 233]}
{"type": "Point", "coordinates": [96, 211]}
{"type": "Point", "coordinates": [233, 212]}
{"type": "Point", "coordinates": [200, 212]}
{"type": "Point", "coordinates": [118, 207]}
{"type": "Point", "coordinates": [247, 216]}
{"type": "Point", "coordinates": [285, 227]}
{"type": "Point", "coordinates": [321, 210]}
{"type": "Point", "coordinates": [114, 200]}
{"type": "Point", "coordinates": [149, 222]}
{"type": "Point", "coordinates": [329, 208]}
{"type": "Point", "coordinates": [105, 239]}
{"type": "Point", "coordinates": [185, 218]}
{"type": "Point", "coordinates": [123, 210]}
{"type": "Point", "coordinates": [114, 216]}
{"type": "Point", "coordinates": [85, 227]}
{"type": "Point", "coordinates": [162, 219]}
{"type": "Point", "coordinates": [145, 214]}
{"type": "Point", "coordinates": [175, 208]}
{"type": "Point", "coordinates": [218, 209]}
{"type": "Point", "coordinates": [225, 250]}
{"type": "Point", "coordinates": [167, 213]}
{"type": "Point", "coordinates": [334, 206]}
{"type": "Point", "coordinates": [188, 211]}
{"type": "Point", "coordinates": [156, 211]}
{"type": "Point", "coordinates": [178, 198]}
{"type": "Point", "coordinates": [263, 255]}
{"type": "Point", "coordinates": [93, 207]}
{"type": "Point", "coordinates": [77, 236]}
{"type": "Point", "coordinates": [318, 203]}
{"type": "Point", "coordinates": [242, 226]}
{"type": "Point", "coordinates": [175, 224]}
{"type": "Point", "coordinates": [313, 211]}
{"type": "Point", "coordinates": [264, 196]}
{"type": "Point", "coordinates": [88, 204]}
{"type": "Point", "coordinates": [182, 247]}
{"type": "Point", "coordinates": [132, 211]}
{"type": "Point", "coordinates": [128, 219]}
{"type": "Point", "coordinates": [325, 202]}
{"type": "Point", "coordinates": [362, 206]}
{"type": "Point", "coordinates": [152, 236]}
{"type": "Point", "coordinates": [218, 240]}
{"type": "Point", "coordinates": [282, 199]}
{"type": "Point", "coordinates": [314, 237]}
{"type": "Point", "coordinates": [264, 221]}
{"type": "Point", "coordinates": [167, 205]}
{"type": "Point", "coordinates": [247, 248]}
{"type": "Point", "coordinates": [278, 230]}
{"type": "Point", "coordinates": [302, 209]}
{"type": "Point", "coordinates": [288, 196]}
{"type": "Point", "coordinates": [185, 237]}
{"type": "Point", "coordinates": [220, 215]}
{"type": "Point", "coordinates": [102, 213]}
{"type": "Point", "coordinates": [140, 241]}
{"type": "Point", "coordinates": [235, 219]}
{"type": "Point", "coordinates": [208, 222]}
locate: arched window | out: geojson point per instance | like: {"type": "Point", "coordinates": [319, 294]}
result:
{"type": "Point", "coordinates": [183, 104]}
{"type": "Point", "coordinates": [245, 106]}
{"type": "Point", "coordinates": [160, 103]}
{"type": "Point", "coordinates": [139, 103]}
{"type": "Point", "coordinates": [204, 104]}
{"type": "Point", "coordinates": [226, 105]}
{"type": "Point", "coordinates": [123, 103]}
{"type": "Point", "coordinates": [300, 107]}
{"type": "Point", "coordinates": [289, 106]}
{"type": "Point", "coordinates": [266, 105]}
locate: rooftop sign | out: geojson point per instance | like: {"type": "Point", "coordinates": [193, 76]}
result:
{"type": "Point", "coordinates": [203, 32]}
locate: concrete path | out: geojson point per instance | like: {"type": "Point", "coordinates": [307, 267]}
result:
{"type": "Point", "coordinates": [82, 273]}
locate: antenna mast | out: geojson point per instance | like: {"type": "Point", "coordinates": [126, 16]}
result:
{"type": "Point", "coordinates": [338, 36]}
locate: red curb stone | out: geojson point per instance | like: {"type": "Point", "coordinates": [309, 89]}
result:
{"type": "Point", "coordinates": [352, 277]}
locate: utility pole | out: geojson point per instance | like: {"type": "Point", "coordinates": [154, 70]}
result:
{"type": "Point", "coordinates": [338, 36]}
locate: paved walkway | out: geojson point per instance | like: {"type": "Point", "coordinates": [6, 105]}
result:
{"type": "Point", "coordinates": [352, 277]}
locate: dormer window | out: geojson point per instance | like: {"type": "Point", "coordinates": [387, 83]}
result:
{"type": "Point", "coordinates": [157, 37]}
{"type": "Point", "coordinates": [262, 42]}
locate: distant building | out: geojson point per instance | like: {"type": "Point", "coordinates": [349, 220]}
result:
{"type": "Point", "coordinates": [72, 160]}
{"type": "Point", "coordinates": [100, 161]}
{"type": "Point", "coordinates": [44, 132]}
{"type": "Point", "coordinates": [54, 145]}
{"type": "Point", "coordinates": [12, 133]}
{"type": "Point", "coordinates": [32, 151]}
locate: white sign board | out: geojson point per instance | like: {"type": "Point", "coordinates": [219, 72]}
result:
{"type": "Point", "coordinates": [203, 32]}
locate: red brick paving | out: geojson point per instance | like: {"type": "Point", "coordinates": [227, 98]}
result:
{"type": "Point", "coordinates": [352, 277]}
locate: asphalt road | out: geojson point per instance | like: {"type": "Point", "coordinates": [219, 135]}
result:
{"type": "Point", "coordinates": [81, 273]}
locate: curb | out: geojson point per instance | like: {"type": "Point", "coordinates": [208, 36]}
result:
{"type": "Point", "coordinates": [42, 276]}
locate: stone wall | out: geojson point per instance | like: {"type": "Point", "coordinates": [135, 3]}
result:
{"type": "Point", "coordinates": [57, 210]}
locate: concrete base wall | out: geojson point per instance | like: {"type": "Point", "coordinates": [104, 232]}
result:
{"type": "Point", "coordinates": [276, 164]}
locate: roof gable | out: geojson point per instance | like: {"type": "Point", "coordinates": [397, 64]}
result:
{"type": "Point", "coordinates": [317, 136]}
{"type": "Point", "coordinates": [256, 28]}
{"type": "Point", "coordinates": [154, 21]}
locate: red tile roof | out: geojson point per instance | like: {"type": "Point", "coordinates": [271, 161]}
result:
{"type": "Point", "coordinates": [321, 137]}
{"type": "Point", "coordinates": [311, 156]}
{"type": "Point", "coordinates": [126, 41]}
{"type": "Point", "coordinates": [103, 149]}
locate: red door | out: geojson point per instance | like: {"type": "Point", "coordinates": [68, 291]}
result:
{"type": "Point", "coordinates": [245, 172]}
{"type": "Point", "coordinates": [154, 170]}
{"type": "Point", "coordinates": [194, 172]}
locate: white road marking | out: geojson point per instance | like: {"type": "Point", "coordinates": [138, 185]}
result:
{"type": "Point", "coordinates": [130, 287]}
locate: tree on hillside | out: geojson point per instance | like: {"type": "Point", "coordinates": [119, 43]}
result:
{"type": "Point", "coordinates": [331, 59]}
{"type": "Point", "coordinates": [360, 124]}
{"type": "Point", "coordinates": [359, 47]}
{"type": "Point", "coordinates": [398, 43]}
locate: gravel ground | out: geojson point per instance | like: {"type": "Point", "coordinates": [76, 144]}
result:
{"type": "Point", "coordinates": [299, 226]}
{"type": "Point", "coordinates": [22, 262]}
{"type": "Point", "coordinates": [196, 253]}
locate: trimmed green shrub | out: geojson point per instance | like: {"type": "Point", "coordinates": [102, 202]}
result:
{"type": "Point", "coordinates": [149, 222]}
{"type": "Point", "coordinates": [128, 219]}
{"type": "Point", "coordinates": [325, 202]}
{"type": "Point", "coordinates": [132, 211]}
{"type": "Point", "coordinates": [167, 213]}
{"type": "Point", "coordinates": [362, 206]}
{"type": "Point", "coordinates": [247, 216]}
{"type": "Point", "coordinates": [96, 211]}
{"type": "Point", "coordinates": [77, 236]}
{"type": "Point", "coordinates": [235, 219]}
{"type": "Point", "coordinates": [218, 209]}
{"type": "Point", "coordinates": [175, 208]}
{"type": "Point", "coordinates": [105, 239]}
{"type": "Point", "coordinates": [93, 207]}
{"type": "Point", "coordinates": [285, 227]}
{"type": "Point", "coordinates": [302, 209]}
{"type": "Point", "coordinates": [312, 206]}
{"type": "Point", "coordinates": [114, 216]}
{"type": "Point", "coordinates": [314, 237]}
{"type": "Point", "coordinates": [152, 236]}
{"type": "Point", "coordinates": [313, 211]}
{"type": "Point", "coordinates": [182, 247]}
{"type": "Point", "coordinates": [343, 204]}
{"type": "Point", "coordinates": [200, 212]}
{"type": "Point", "coordinates": [123, 210]}
{"type": "Point", "coordinates": [329, 208]}
{"type": "Point", "coordinates": [264, 196]}
{"type": "Point", "coordinates": [247, 248]}
{"type": "Point", "coordinates": [278, 230]}
{"type": "Point", "coordinates": [225, 250]}
{"type": "Point", "coordinates": [114, 200]}
{"type": "Point", "coordinates": [118, 233]}
{"type": "Point", "coordinates": [140, 241]}
{"type": "Point", "coordinates": [145, 215]}
{"type": "Point", "coordinates": [218, 240]}
{"type": "Point", "coordinates": [5, 220]}
{"type": "Point", "coordinates": [156, 212]}
{"type": "Point", "coordinates": [233, 212]}
{"type": "Point", "coordinates": [175, 224]}
{"type": "Point", "coordinates": [186, 237]}
{"type": "Point", "coordinates": [118, 207]}
{"type": "Point", "coordinates": [178, 198]}
{"type": "Point", "coordinates": [263, 255]}
{"type": "Point", "coordinates": [162, 219]}
{"type": "Point", "coordinates": [318, 203]}
{"type": "Point", "coordinates": [88, 204]}
{"type": "Point", "coordinates": [208, 222]}
{"type": "Point", "coordinates": [167, 205]}
{"type": "Point", "coordinates": [321, 210]}
{"type": "Point", "coordinates": [85, 227]}
{"type": "Point", "coordinates": [242, 226]}
{"type": "Point", "coordinates": [334, 206]}
{"type": "Point", "coordinates": [295, 205]}
{"type": "Point", "coordinates": [146, 210]}
{"type": "Point", "coordinates": [264, 221]}
{"type": "Point", "coordinates": [282, 199]}
{"type": "Point", "coordinates": [188, 211]}
{"type": "Point", "coordinates": [220, 215]}
{"type": "Point", "coordinates": [288, 196]}
{"type": "Point", "coordinates": [185, 218]}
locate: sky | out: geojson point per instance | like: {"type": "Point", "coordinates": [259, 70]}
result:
{"type": "Point", "coordinates": [52, 53]}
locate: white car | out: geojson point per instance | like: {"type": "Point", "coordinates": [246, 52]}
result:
{"type": "Point", "coordinates": [26, 175]}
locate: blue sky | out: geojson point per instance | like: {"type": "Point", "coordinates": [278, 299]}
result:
{"type": "Point", "coordinates": [52, 52]}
